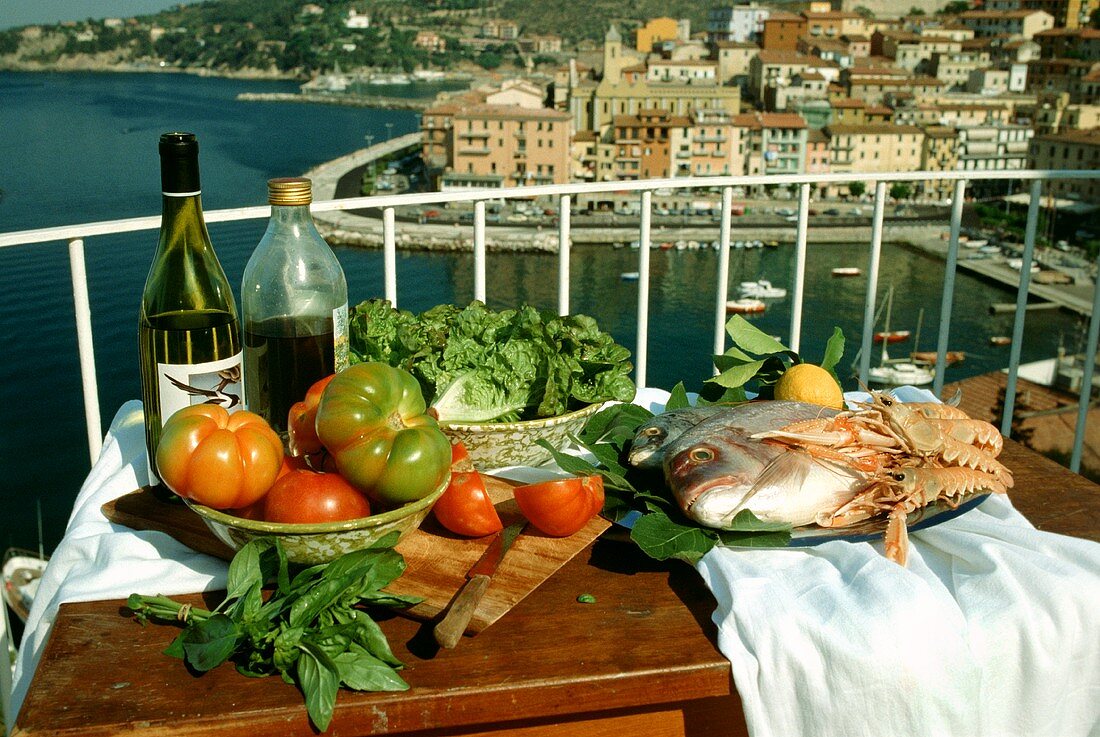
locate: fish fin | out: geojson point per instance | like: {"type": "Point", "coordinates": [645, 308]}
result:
{"type": "Point", "coordinates": [791, 467]}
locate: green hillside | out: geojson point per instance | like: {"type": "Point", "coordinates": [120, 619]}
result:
{"type": "Point", "coordinates": [295, 37]}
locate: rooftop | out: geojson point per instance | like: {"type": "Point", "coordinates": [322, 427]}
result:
{"type": "Point", "coordinates": [757, 121]}
{"type": "Point", "coordinates": [511, 112]}
{"type": "Point", "coordinates": [1089, 136]}
{"type": "Point", "coordinates": [888, 129]}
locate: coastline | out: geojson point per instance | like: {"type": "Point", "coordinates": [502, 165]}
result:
{"type": "Point", "coordinates": [86, 63]}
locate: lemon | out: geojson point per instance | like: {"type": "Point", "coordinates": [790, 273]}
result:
{"type": "Point", "coordinates": [805, 382]}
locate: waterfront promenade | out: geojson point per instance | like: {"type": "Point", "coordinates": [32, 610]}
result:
{"type": "Point", "coordinates": [927, 232]}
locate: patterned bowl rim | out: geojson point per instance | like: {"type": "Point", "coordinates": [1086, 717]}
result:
{"type": "Point", "coordinates": [524, 424]}
{"type": "Point", "coordinates": [286, 528]}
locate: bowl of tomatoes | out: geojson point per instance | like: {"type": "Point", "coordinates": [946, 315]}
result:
{"type": "Point", "coordinates": [319, 542]}
{"type": "Point", "coordinates": [500, 444]}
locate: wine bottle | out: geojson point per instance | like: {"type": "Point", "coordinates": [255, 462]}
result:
{"type": "Point", "coordinates": [189, 332]}
{"type": "Point", "coordinates": [294, 304]}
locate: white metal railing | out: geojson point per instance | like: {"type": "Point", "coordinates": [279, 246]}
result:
{"type": "Point", "coordinates": [76, 235]}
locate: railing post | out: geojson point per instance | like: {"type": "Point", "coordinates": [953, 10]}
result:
{"type": "Point", "coordinates": [799, 265]}
{"type": "Point", "coordinates": [723, 272]}
{"type": "Point", "coordinates": [563, 255]}
{"type": "Point", "coordinates": [948, 297]}
{"type": "Point", "coordinates": [1086, 382]}
{"type": "Point", "coordinates": [85, 347]}
{"type": "Point", "coordinates": [479, 250]}
{"type": "Point", "coordinates": [1021, 306]}
{"type": "Point", "coordinates": [872, 284]}
{"type": "Point", "coordinates": [640, 352]}
{"type": "Point", "coordinates": [389, 255]}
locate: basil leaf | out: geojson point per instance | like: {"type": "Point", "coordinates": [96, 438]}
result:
{"type": "Point", "coordinates": [746, 521]}
{"type": "Point", "coordinates": [775, 539]}
{"type": "Point", "coordinates": [834, 350]}
{"type": "Point", "coordinates": [211, 642]}
{"type": "Point", "coordinates": [662, 538]}
{"type": "Point", "coordinates": [364, 672]}
{"type": "Point", "coordinates": [735, 375]}
{"type": "Point", "coordinates": [319, 679]}
{"type": "Point", "coordinates": [677, 398]}
{"type": "Point", "coordinates": [748, 337]}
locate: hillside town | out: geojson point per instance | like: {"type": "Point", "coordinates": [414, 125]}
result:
{"type": "Point", "coordinates": [1012, 85]}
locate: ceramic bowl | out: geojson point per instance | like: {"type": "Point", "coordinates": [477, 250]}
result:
{"type": "Point", "coordinates": [319, 543]}
{"type": "Point", "coordinates": [499, 444]}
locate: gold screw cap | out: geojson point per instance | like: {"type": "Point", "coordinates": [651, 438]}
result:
{"type": "Point", "coordinates": [290, 191]}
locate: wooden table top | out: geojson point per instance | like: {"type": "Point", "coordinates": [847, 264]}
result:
{"type": "Point", "coordinates": [648, 641]}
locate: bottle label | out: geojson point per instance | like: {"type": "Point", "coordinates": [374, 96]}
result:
{"type": "Point", "coordinates": [340, 337]}
{"type": "Point", "coordinates": [185, 384]}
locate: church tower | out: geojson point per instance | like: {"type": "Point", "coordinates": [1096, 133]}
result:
{"type": "Point", "coordinates": [612, 55]}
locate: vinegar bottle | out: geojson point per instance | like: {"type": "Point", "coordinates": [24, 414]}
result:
{"type": "Point", "coordinates": [294, 301]}
{"type": "Point", "coordinates": [189, 335]}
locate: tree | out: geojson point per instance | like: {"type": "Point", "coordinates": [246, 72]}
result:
{"type": "Point", "coordinates": [489, 59]}
{"type": "Point", "coordinates": [956, 7]}
{"type": "Point", "coordinates": [900, 191]}
{"type": "Point", "coordinates": [916, 10]}
{"type": "Point", "coordinates": [856, 189]}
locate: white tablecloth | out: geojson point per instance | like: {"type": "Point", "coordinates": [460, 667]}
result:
{"type": "Point", "coordinates": [993, 629]}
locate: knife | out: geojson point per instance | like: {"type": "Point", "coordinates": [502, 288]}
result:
{"type": "Point", "coordinates": [449, 629]}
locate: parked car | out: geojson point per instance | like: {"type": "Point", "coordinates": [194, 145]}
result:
{"type": "Point", "coordinates": [784, 211]}
{"type": "Point", "coordinates": [832, 211]}
{"type": "Point", "coordinates": [431, 213]}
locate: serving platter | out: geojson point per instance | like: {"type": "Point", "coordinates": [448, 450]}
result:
{"type": "Point", "coordinates": [871, 530]}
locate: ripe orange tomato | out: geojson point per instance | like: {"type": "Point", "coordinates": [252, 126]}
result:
{"type": "Point", "coordinates": [304, 496]}
{"type": "Point", "coordinates": [222, 460]}
{"type": "Point", "coordinates": [562, 506]}
{"type": "Point", "coordinates": [301, 421]}
{"type": "Point", "coordinates": [465, 507]}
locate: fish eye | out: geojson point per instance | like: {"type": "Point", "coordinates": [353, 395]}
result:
{"type": "Point", "coordinates": [651, 431]}
{"type": "Point", "coordinates": [701, 455]}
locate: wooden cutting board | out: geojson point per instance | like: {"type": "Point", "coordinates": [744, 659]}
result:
{"type": "Point", "coordinates": [437, 560]}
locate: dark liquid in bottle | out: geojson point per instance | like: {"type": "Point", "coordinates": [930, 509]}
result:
{"type": "Point", "coordinates": [283, 358]}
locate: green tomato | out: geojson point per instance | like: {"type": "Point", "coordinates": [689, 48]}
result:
{"type": "Point", "coordinates": [373, 420]}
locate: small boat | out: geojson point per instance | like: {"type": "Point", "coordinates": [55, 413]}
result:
{"type": "Point", "coordinates": [975, 243]}
{"type": "Point", "coordinates": [891, 336]}
{"type": "Point", "coordinates": [900, 374]}
{"type": "Point", "coordinates": [929, 357]}
{"type": "Point", "coordinates": [629, 276]}
{"type": "Point", "coordinates": [1018, 265]}
{"type": "Point", "coordinates": [762, 289]}
{"type": "Point", "coordinates": [1000, 340]}
{"type": "Point", "coordinates": [22, 570]}
{"type": "Point", "coordinates": [847, 271]}
{"type": "Point", "coordinates": [745, 306]}
{"type": "Point", "coordinates": [989, 249]}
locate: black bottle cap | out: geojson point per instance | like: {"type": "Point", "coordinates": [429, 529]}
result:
{"type": "Point", "coordinates": [179, 163]}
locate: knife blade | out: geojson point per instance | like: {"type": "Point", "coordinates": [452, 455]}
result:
{"type": "Point", "coordinates": [448, 631]}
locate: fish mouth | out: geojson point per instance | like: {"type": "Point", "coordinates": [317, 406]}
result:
{"type": "Point", "coordinates": [717, 502]}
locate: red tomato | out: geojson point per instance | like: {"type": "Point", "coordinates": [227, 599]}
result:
{"type": "Point", "coordinates": [222, 460]}
{"type": "Point", "coordinates": [465, 508]}
{"type": "Point", "coordinates": [311, 497]}
{"type": "Point", "coordinates": [302, 421]}
{"type": "Point", "coordinates": [562, 506]}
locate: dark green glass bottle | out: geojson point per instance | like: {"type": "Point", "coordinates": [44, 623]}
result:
{"type": "Point", "coordinates": [189, 334]}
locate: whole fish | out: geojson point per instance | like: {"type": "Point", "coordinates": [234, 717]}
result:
{"type": "Point", "coordinates": [647, 449]}
{"type": "Point", "coordinates": [716, 470]}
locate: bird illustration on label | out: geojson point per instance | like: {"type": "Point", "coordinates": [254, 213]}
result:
{"type": "Point", "coordinates": [218, 393]}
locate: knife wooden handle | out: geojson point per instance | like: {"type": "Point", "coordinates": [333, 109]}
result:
{"type": "Point", "coordinates": [449, 630]}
